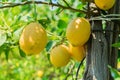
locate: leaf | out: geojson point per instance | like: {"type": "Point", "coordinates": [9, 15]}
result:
{"type": "Point", "coordinates": [44, 22]}
{"type": "Point", "coordinates": [48, 56]}
{"type": "Point", "coordinates": [116, 45]}
{"type": "Point", "coordinates": [22, 54]}
{"type": "Point", "coordinates": [7, 54]}
{"type": "Point", "coordinates": [49, 45]}
{"type": "Point", "coordinates": [2, 48]}
{"type": "Point", "coordinates": [26, 8]}
{"type": "Point", "coordinates": [114, 72]}
{"type": "Point", "coordinates": [3, 37]}
{"type": "Point", "coordinates": [13, 25]}
{"type": "Point", "coordinates": [61, 24]}
{"type": "Point", "coordinates": [117, 78]}
{"type": "Point", "coordinates": [58, 11]}
{"type": "Point", "coordinates": [15, 10]}
{"type": "Point", "coordinates": [118, 53]}
{"type": "Point", "coordinates": [30, 19]}
{"type": "Point", "coordinates": [16, 34]}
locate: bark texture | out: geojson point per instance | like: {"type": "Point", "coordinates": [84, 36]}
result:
{"type": "Point", "coordinates": [97, 58]}
{"type": "Point", "coordinates": [100, 52]}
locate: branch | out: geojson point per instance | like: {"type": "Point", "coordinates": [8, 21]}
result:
{"type": "Point", "coordinates": [66, 3]}
{"type": "Point", "coordinates": [70, 71]}
{"type": "Point", "coordinates": [40, 2]}
{"type": "Point", "coordinates": [79, 68]}
{"type": "Point", "coordinates": [107, 17]}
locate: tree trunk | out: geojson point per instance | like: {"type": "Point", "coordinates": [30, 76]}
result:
{"type": "Point", "coordinates": [97, 58]}
{"type": "Point", "coordinates": [113, 37]}
{"type": "Point", "coordinates": [100, 52]}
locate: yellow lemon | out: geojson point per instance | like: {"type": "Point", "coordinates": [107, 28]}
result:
{"type": "Point", "coordinates": [77, 52]}
{"type": "Point", "coordinates": [78, 31]}
{"type": "Point", "coordinates": [40, 73]}
{"type": "Point", "coordinates": [33, 39]}
{"type": "Point", "coordinates": [104, 4]}
{"type": "Point", "coordinates": [60, 55]}
{"type": "Point", "coordinates": [118, 65]}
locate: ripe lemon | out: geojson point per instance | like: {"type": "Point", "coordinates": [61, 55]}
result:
{"type": "Point", "coordinates": [104, 4]}
{"type": "Point", "coordinates": [77, 52]}
{"type": "Point", "coordinates": [78, 31]}
{"type": "Point", "coordinates": [40, 73]}
{"type": "Point", "coordinates": [118, 65]}
{"type": "Point", "coordinates": [60, 55]}
{"type": "Point", "coordinates": [33, 39]}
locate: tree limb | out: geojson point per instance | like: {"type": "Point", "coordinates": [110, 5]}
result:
{"type": "Point", "coordinates": [40, 2]}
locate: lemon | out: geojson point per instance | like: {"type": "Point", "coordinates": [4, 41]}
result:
{"type": "Point", "coordinates": [60, 55]}
{"type": "Point", "coordinates": [40, 73]}
{"type": "Point", "coordinates": [118, 65]}
{"type": "Point", "coordinates": [78, 31]}
{"type": "Point", "coordinates": [77, 52]}
{"type": "Point", "coordinates": [33, 38]}
{"type": "Point", "coordinates": [104, 4]}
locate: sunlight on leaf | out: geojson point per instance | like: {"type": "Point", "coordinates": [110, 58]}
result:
{"type": "Point", "coordinates": [3, 37]}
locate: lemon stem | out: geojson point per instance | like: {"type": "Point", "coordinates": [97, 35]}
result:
{"type": "Point", "coordinates": [34, 11]}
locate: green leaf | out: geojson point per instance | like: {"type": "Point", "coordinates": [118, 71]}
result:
{"type": "Point", "coordinates": [16, 34]}
{"type": "Point", "coordinates": [118, 53]}
{"type": "Point", "coordinates": [26, 8]}
{"type": "Point", "coordinates": [48, 56]}
{"type": "Point", "coordinates": [58, 11]}
{"type": "Point", "coordinates": [117, 78]}
{"type": "Point", "coordinates": [22, 54]}
{"type": "Point", "coordinates": [13, 25]}
{"type": "Point", "coordinates": [15, 10]}
{"type": "Point", "coordinates": [44, 22]}
{"type": "Point", "coordinates": [3, 37]}
{"type": "Point", "coordinates": [61, 24]}
{"type": "Point", "coordinates": [49, 45]}
{"type": "Point", "coordinates": [114, 72]}
{"type": "Point", "coordinates": [116, 45]}
{"type": "Point", "coordinates": [7, 54]}
{"type": "Point", "coordinates": [2, 48]}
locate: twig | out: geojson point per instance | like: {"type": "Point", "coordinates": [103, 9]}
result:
{"type": "Point", "coordinates": [69, 72]}
{"type": "Point", "coordinates": [79, 68]}
{"type": "Point", "coordinates": [66, 3]}
{"type": "Point", "coordinates": [111, 31]}
{"type": "Point", "coordinates": [107, 19]}
{"type": "Point", "coordinates": [41, 2]}
{"type": "Point", "coordinates": [59, 11]}
{"type": "Point", "coordinates": [5, 3]}
{"type": "Point", "coordinates": [52, 34]}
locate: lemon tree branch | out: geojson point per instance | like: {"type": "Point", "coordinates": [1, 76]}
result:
{"type": "Point", "coordinates": [8, 5]}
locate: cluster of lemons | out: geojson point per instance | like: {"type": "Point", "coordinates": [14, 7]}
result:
{"type": "Point", "coordinates": [33, 38]}
{"type": "Point", "coordinates": [77, 33]}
